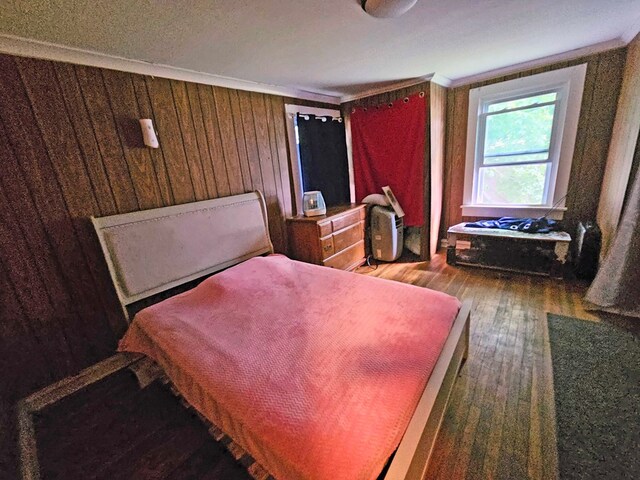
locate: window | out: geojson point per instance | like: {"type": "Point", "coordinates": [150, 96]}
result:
{"type": "Point", "coordinates": [521, 136]}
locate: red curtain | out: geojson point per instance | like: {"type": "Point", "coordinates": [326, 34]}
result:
{"type": "Point", "coordinates": [388, 149]}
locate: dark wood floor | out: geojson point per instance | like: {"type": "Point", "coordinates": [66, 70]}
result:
{"type": "Point", "coordinates": [500, 423]}
{"type": "Point", "coordinates": [113, 430]}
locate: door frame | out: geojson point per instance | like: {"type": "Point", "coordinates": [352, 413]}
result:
{"type": "Point", "coordinates": [296, 170]}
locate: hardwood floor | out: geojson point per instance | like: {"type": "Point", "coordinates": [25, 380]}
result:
{"type": "Point", "coordinates": [114, 430]}
{"type": "Point", "coordinates": [500, 421]}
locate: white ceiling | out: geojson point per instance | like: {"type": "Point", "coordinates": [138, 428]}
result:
{"type": "Point", "coordinates": [325, 46]}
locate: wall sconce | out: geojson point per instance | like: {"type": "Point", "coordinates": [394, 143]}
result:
{"type": "Point", "coordinates": [148, 133]}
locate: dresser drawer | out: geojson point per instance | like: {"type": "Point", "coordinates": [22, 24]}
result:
{"type": "Point", "coordinates": [347, 259]}
{"type": "Point", "coordinates": [348, 236]}
{"type": "Point", "coordinates": [328, 239]}
{"type": "Point", "coordinates": [327, 246]}
{"type": "Point", "coordinates": [324, 229]}
{"type": "Point", "coordinates": [345, 220]}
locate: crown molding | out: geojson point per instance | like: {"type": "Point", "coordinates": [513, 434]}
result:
{"type": "Point", "coordinates": [387, 88]}
{"type": "Point", "coordinates": [540, 62]}
{"type": "Point", "coordinates": [24, 47]}
{"type": "Point", "coordinates": [441, 80]}
{"type": "Point", "coordinates": [631, 33]}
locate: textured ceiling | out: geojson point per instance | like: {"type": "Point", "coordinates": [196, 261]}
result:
{"type": "Point", "coordinates": [327, 46]}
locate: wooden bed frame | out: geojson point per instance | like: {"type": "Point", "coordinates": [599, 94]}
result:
{"type": "Point", "coordinates": [198, 239]}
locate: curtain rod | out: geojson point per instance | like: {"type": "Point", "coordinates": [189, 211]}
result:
{"type": "Point", "coordinates": [390, 104]}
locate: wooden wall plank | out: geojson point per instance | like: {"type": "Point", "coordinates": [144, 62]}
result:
{"type": "Point", "coordinates": [266, 167]}
{"type": "Point", "coordinates": [251, 142]}
{"type": "Point", "coordinates": [59, 139]}
{"type": "Point", "coordinates": [228, 140]}
{"type": "Point", "coordinates": [124, 106]}
{"type": "Point", "coordinates": [574, 198]}
{"type": "Point", "coordinates": [103, 124]}
{"type": "Point", "coordinates": [170, 137]}
{"type": "Point", "coordinates": [236, 114]}
{"type": "Point", "coordinates": [71, 148]}
{"type": "Point", "coordinates": [30, 151]}
{"type": "Point", "coordinates": [209, 117]}
{"type": "Point", "coordinates": [79, 116]}
{"type": "Point", "coordinates": [157, 155]}
{"type": "Point", "coordinates": [582, 204]}
{"type": "Point", "coordinates": [275, 159]}
{"type": "Point", "coordinates": [201, 139]}
{"type": "Point", "coordinates": [63, 146]}
{"type": "Point", "coordinates": [438, 120]}
{"type": "Point", "coordinates": [448, 152]}
{"type": "Point", "coordinates": [622, 147]}
{"type": "Point", "coordinates": [27, 309]}
{"type": "Point", "coordinates": [189, 139]}
{"type": "Point", "coordinates": [458, 155]}
{"type": "Point", "coordinates": [278, 113]}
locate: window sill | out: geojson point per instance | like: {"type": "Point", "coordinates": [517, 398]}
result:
{"type": "Point", "coordinates": [507, 211]}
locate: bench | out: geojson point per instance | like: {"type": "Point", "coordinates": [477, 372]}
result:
{"type": "Point", "coordinates": [560, 241]}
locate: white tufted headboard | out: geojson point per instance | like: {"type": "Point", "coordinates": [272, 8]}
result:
{"type": "Point", "coordinates": [151, 251]}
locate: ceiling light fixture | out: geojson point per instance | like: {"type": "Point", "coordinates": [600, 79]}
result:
{"type": "Point", "coordinates": [387, 8]}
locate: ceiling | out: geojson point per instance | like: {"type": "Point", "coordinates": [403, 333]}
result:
{"type": "Point", "coordinates": [329, 47]}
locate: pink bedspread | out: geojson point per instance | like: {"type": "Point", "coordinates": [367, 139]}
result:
{"type": "Point", "coordinates": [315, 372]}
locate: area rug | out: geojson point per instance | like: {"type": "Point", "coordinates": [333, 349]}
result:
{"type": "Point", "coordinates": [596, 378]}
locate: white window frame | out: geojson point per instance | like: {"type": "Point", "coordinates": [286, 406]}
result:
{"type": "Point", "coordinates": [296, 169]}
{"type": "Point", "coordinates": [569, 85]}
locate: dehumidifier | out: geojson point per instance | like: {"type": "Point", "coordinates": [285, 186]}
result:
{"type": "Point", "coordinates": [386, 234]}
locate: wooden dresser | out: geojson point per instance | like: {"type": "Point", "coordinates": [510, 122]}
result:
{"type": "Point", "coordinates": [334, 240]}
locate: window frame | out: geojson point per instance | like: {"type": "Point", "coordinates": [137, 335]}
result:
{"type": "Point", "coordinates": [569, 85]}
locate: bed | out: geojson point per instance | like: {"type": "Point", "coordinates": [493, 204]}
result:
{"type": "Point", "coordinates": [314, 372]}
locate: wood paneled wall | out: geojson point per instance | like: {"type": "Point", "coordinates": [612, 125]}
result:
{"type": "Point", "coordinates": [601, 90]}
{"type": "Point", "coordinates": [437, 142]}
{"type": "Point", "coordinates": [71, 148]}
{"type": "Point", "coordinates": [623, 145]}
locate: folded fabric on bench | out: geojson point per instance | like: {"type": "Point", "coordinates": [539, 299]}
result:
{"type": "Point", "coordinates": [526, 225]}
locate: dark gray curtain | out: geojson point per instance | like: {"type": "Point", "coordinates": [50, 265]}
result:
{"type": "Point", "coordinates": [616, 287]}
{"type": "Point", "coordinates": [323, 158]}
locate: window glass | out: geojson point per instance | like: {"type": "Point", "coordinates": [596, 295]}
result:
{"type": "Point", "coordinates": [522, 102]}
{"type": "Point", "coordinates": [512, 184]}
{"type": "Point", "coordinates": [519, 132]}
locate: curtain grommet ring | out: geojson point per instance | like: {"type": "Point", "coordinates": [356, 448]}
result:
{"type": "Point", "coordinates": [353, 110]}
{"type": "Point", "coordinates": [421, 94]}
{"type": "Point", "coordinates": [390, 105]}
{"type": "Point", "coordinates": [405, 99]}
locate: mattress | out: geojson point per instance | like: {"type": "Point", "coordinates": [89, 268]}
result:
{"type": "Point", "coordinates": [315, 372]}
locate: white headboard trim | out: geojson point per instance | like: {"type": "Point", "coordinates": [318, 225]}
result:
{"type": "Point", "coordinates": [151, 251]}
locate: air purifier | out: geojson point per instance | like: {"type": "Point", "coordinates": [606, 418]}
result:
{"type": "Point", "coordinates": [313, 204]}
{"type": "Point", "coordinates": [386, 234]}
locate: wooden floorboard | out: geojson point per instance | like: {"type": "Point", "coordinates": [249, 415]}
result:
{"type": "Point", "coordinates": [501, 419]}
{"type": "Point", "coordinates": [500, 422]}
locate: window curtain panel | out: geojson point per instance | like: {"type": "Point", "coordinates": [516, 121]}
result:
{"type": "Point", "coordinates": [323, 158]}
{"type": "Point", "coordinates": [616, 287]}
{"type": "Point", "coordinates": [388, 143]}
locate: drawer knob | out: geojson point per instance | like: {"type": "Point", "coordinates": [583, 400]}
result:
{"type": "Point", "coordinates": [327, 248]}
